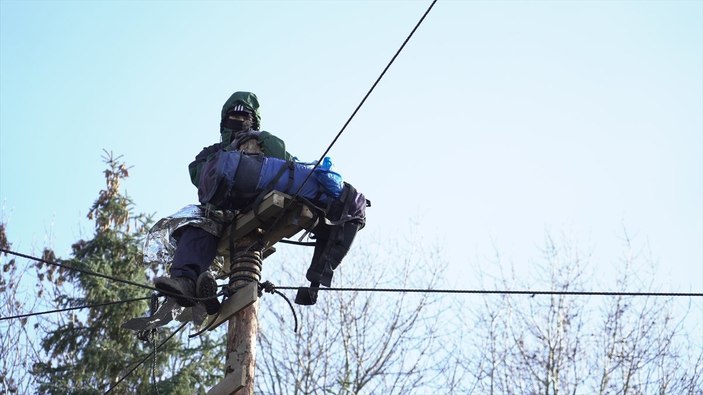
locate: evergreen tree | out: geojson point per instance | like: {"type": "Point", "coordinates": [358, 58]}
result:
{"type": "Point", "coordinates": [90, 351]}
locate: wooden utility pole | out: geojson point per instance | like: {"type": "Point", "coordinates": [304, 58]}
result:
{"type": "Point", "coordinates": [247, 245]}
{"type": "Point", "coordinates": [241, 336]}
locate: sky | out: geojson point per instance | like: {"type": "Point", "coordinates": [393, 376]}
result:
{"type": "Point", "coordinates": [500, 122]}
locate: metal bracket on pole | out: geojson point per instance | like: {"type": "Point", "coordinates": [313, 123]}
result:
{"type": "Point", "coordinates": [167, 312]}
{"type": "Point", "coordinates": [244, 297]}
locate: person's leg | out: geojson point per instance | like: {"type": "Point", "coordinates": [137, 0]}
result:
{"type": "Point", "coordinates": [195, 252]}
{"type": "Point", "coordinates": [330, 249]}
{"type": "Point", "coordinates": [333, 242]}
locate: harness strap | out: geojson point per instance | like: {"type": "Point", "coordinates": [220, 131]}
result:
{"type": "Point", "coordinates": [254, 206]}
{"type": "Point", "coordinates": [233, 226]}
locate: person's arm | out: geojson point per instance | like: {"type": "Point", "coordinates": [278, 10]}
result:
{"type": "Point", "coordinates": [274, 147]}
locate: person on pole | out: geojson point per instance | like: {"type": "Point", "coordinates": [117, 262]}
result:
{"type": "Point", "coordinates": [229, 179]}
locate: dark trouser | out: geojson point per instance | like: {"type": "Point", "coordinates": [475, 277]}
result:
{"type": "Point", "coordinates": [332, 245]}
{"type": "Point", "coordinates": [195, 252]}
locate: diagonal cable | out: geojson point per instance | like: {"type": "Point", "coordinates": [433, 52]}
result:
{"type": "Point", "coordinates": [88, 306]}
{"type": "Point", "coordinates": [75, 269]}
{"type": "Point", "coordinates": [358, 107]}
{"type": "Point", "coordinates": [96, 274]}
{"type": "Point", "coordinates": [369, 92]}
{"type": "Point", "coordinates": [148, 355]}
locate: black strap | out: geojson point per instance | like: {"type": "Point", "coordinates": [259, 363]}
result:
{"type": "Point", "coordinates": [254, 206]}
{"type": "Point", "coordinates": [291, 175]}
{"type": "Point", "coordinates": [348, 193]}
{"type": "Point", "coordinates": [233, 228]}
{"type": "Point", "coordinates": [289, 166]}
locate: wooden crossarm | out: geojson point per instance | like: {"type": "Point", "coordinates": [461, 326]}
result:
{"type": "Point", "coordinates": [298, 217]}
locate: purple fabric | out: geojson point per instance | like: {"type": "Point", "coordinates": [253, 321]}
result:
{"type": "Point", "coordinates": [218, 172]}
{"type": "Point", "coordinates": [357, 208]}
{"type": "Point", "coordinates": [195, 252]}
{"type": "Point", "coordinates": [271, 168]}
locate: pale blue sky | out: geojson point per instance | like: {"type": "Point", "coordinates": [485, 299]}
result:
{"type": "Point", "coordinates": [500, 120]}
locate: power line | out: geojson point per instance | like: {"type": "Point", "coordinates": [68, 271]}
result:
{"type": "Point", "coordinates": [84, 271]}
{"type": "Point", "coordinates": [501, 292]}
{"type": "Point", "coordinates": [358, 107]}
{"type": "Point", "coordinates": [91, 273]}
{"type": "Point", "coordinates": [145, 358]}
{"type": "Point", "coordinates": [388, 290]}
{"type": "Point", "coordinates": [369, 92]}
{"type": "Point", "coordinates": [75, 308]}
{"type": "Point", "coordinates": [329, 147]}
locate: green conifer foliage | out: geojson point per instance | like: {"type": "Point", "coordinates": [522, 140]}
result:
{"type": "Point", "coordinates": [88, 350]}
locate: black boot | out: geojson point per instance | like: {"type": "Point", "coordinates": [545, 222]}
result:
{"type": "Point", "coordinates": [307, 296]}
{"type": "Point", "coordinates": [206, 289]}
{"type": "Point", "coordinates": [180, 288]}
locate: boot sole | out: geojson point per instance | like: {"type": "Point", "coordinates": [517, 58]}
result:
{"type": "Point", "coordinates": [206, 287]}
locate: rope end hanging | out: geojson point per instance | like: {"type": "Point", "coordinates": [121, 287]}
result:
{"type": "Point", "coordinates": [268, 287]}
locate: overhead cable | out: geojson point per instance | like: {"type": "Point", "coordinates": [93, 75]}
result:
{"type": "Point", "coordinates": [370, 90]}
{"type": "Point", "coordinates": [75, 269]}
{"type": "Point", "coordinates": [329, 147]}
{"type": "Point", "coordinates": [501, 292]}
{"type": "Point", "coordinates": [145, 358]}
{"type": "Point", "coordinates": [91, 273]}
{"type": "Point", "coordinates": [88, 306]}
{"type": "Point", "coordinates": [404, 290]}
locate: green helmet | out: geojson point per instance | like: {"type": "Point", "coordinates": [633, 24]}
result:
{"type": "Point", "coordinates": [246, 99]}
